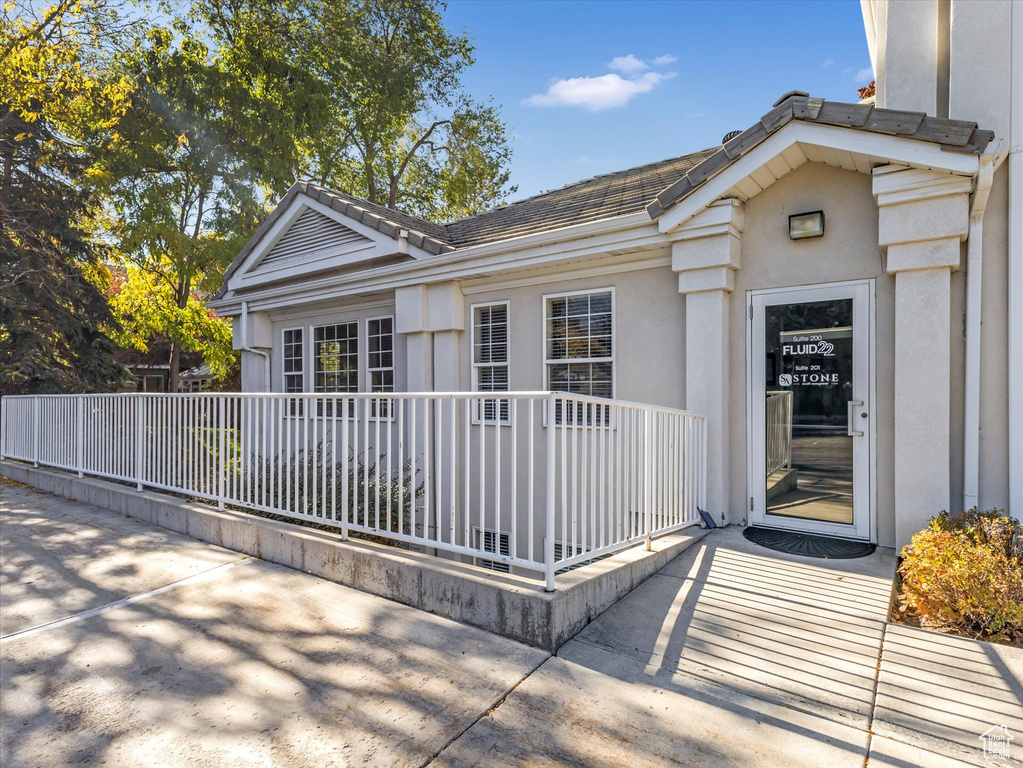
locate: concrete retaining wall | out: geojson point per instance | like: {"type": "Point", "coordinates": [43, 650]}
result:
{"type": "Point", "coordinates": [508, 605]}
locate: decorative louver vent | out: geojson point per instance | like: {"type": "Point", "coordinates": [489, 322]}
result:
{"type": "Point", "coordinates": [311, 233]}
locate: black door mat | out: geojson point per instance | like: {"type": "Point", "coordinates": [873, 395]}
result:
{"type": "Point", "coordinates": [809, 546]}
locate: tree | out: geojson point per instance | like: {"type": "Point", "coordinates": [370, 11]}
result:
{"type": "Point", "coordinates": [54, 320]}
{"type": "Point", "coordinates": [375, 90]}
{"type": "Point", "coordinates": [184, 173]}
{"type": "Point", "coordinates": [147, 308]}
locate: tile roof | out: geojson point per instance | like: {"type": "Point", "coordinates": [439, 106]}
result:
{"type": "Point", "coordinates": [951, 135]}
{"type": "Point", "coordinates": [654, 187]}
{"type": "Point", "coordinates": [602, 197]}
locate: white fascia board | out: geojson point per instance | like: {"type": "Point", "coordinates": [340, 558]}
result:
{"type": "Point", "coordinates": [894, 149]}
{"type": "Point", "coordinates": [635, 231]}
{"type": "Point", "coordinates": [379, 245]}
{"type": "Point", "coordinates": [908, 184]}
{"type": "Point", "coordinates": [716, 186]}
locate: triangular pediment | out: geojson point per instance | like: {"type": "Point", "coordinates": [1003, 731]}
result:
{"type": "Point", "coordinates": [307, 238]}
{"type": "Point", "coordinates": [311, 235]}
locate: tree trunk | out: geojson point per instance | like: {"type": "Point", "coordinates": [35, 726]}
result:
{"type": "Point", "coordinates": [175, 363]}
{"type": "Point", "coordinates": [175, 356]}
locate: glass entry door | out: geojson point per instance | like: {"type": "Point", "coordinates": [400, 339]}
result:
{"type": "Point", "coordinates": [809, 405]}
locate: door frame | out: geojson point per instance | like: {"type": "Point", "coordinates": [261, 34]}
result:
{"type": "Point", "coordinates": [861, 529]}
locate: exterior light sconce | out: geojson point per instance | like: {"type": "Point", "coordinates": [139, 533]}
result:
{"type": "Point", "coordinates": [806, 225]}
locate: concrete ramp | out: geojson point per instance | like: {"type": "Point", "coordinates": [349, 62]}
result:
{"type": "Point", "coordinates": [730, 655]}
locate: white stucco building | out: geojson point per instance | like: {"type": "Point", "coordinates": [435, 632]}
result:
{"type": "Point", "coordinates": [860, 367]}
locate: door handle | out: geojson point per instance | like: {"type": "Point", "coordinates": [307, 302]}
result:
{"type": "Point", "coordinates": [849, 417]}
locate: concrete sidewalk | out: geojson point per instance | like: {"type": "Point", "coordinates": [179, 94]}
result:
{"type": "Point", "coordinates": [126, 644]}
{"type": "Point", "coordinates": [240, 663]}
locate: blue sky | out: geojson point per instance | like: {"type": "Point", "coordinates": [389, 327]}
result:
{"type": "Point", "coordinates": [593, 87]}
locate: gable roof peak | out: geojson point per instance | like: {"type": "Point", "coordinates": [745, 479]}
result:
{"type": "Point", "coordinates": [951, 135]}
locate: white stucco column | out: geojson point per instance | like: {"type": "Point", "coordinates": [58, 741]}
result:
{"type": "Point", "coordinates": [923, 217]}
{"type": "Point", "coordinates": [252, 337]}
{"type": "Point", "coordinates": [432, 318]}
{"type": "Point", "coordinates": [446, 320]}
{"type": "Point", "coordinates": [705, 253]}
{"type": "Point", "coordinates": [410, 310]}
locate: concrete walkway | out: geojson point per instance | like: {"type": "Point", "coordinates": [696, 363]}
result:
{"type": "Point", "coordinates": [735, 655]}
{"type": "Point", "coordinates": [180, 653]}
{"type": "Point", "coordinates": [238, 663]}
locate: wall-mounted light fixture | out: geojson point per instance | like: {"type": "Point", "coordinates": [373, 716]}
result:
{"type": "Point", "coordinates": [804, 225]}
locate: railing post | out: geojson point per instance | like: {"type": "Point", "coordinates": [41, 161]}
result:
{"type": "Point", "coordinates": [3, 426]}
{"type": "Point", "coordinates": [80, 434]}
{"type": "Point", "coordinates": [35, 431]}
{"type": "Point", "coordinates": [139, 441]}
{"type": "Point", "coordinates": [647, 490]}
{"type": "Point", "coordinates": [703, 464]}
{"type": "Point", "coordinates": [548, 542]}
{"type": "Point", "coordinates": [222, 450]}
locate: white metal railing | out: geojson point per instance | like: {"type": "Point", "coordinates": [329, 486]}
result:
{"type": "Point", "coordinates": [420, 469]}
{"type": "Point", "coordinates": [779, 430]}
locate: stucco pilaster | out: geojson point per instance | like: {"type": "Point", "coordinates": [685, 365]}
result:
{"type": "Point", "coordinates": [254, 331]}
{"type": "Point", "coordinates": [706, 252]}
{"type": "Point", "coordinates": [431, 317]}
{"type": "Point", "coordinates": [922, 218]}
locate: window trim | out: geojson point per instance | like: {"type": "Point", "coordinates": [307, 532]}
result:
{"type": "Point", "coordinates": [295, 408]}
{"type": "Point", "coordinates": [305, 362]}
{"type": "Point", "coordinates": [358, 356]}
{"type": "Point", "coordinates": [394, 360]}
{"type": "Point", "coordinates": [547, 362]}
{"type": "Point", "coordinates": [394, 355]}
{"type": "Point", "coordinates": [474, 366]}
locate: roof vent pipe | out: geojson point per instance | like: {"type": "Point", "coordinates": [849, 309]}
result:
{"type": "Point", "coordinates": [729, 136]}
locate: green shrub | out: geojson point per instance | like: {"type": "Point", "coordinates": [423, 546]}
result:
{"type": "Point", "coordinates": [964, 574]}
{"type": "Point", "coordinates": [314, 485]}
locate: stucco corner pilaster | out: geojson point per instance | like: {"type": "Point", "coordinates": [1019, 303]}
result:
{"type": "Point", "coordinates": [410, 309]}
{"type": "Point", "coordinates": [707, 279]}
{"type": "Point", "coordinates": [922, 217]}
{"type": "Point", "coordinates": [706, 250]}
{"type": "Point", "coordinates": [429, 308]}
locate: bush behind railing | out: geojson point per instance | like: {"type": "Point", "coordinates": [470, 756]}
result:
{"type": "Point", "coordinates": [370, 497]}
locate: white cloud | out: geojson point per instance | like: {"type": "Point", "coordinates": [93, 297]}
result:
{"type": "Point", "coordinates": [629, 64]}
{"type": "Point", "coordinates": [828, 63]}
{"type": "Point", "coordinates": [667, 58]}
{"type": "Point", "coordinates": [597, 93]}
{"type": "Point", "coordinates": [865, 75]}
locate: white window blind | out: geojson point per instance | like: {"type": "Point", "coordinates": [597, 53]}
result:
{"type": "Point", "coordinates": [579, 344]}
{"type": "Point", "coordinates": [490, 359]}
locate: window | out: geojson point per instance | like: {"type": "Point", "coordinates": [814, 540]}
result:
{"type": "Point", "coordinates": [294, 366]}
{"type": "Point", "coordinates": [380, 344]}
{"type": "Point", "coordinates": [336, 358]}
{"type": "Point", "coordinates": [490, 359]}
{"type": "Point", "coordinates": [491, 540]}
{"type": "Point", "coordinates": [579, 330]}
